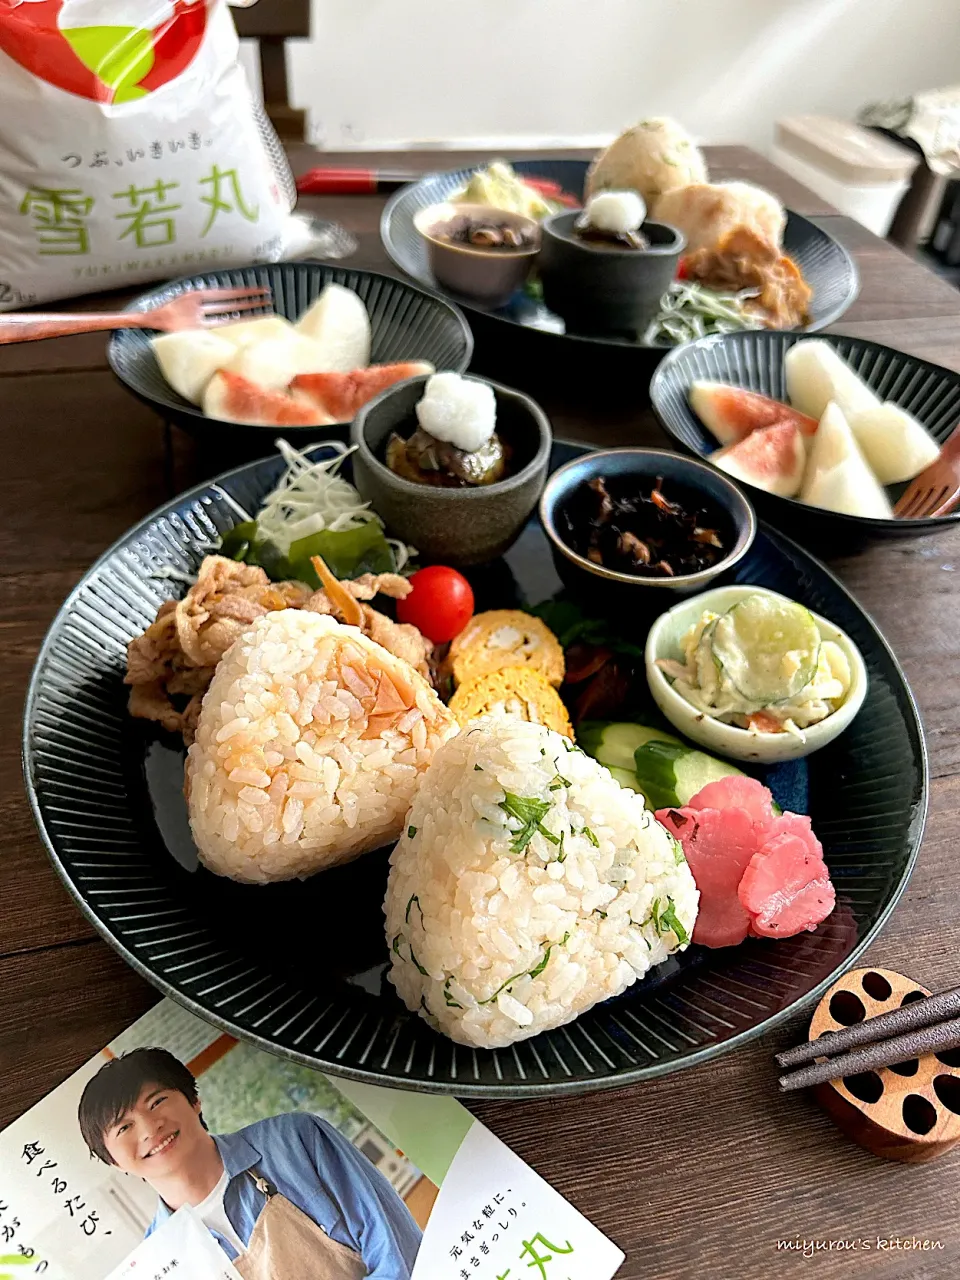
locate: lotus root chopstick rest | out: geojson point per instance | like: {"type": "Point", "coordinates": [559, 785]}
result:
{"type": "Point", "coordinates": [909, 1111]}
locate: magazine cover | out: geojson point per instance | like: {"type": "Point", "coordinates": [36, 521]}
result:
{"type": "Point", "coordinates": [179, 1152]}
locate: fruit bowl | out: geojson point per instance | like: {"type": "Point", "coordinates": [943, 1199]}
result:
{"type": "Point", "coordinates": [408, 324]}
{"type": "Point", "coordinates": [755, 361]}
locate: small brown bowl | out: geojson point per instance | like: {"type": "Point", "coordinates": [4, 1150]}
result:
{"type": "Point", "coordinates": [490, 276]}
{"type": "Point", "coordinates": [452, 526]}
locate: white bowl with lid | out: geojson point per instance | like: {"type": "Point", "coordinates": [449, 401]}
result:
{"type": "Point", "coordinates": [664, 641]}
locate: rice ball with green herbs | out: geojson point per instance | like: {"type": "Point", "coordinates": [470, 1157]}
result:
{"type": "Point", "coordinates": [527, 886]}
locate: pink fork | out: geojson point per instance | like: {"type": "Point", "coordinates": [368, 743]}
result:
{"type": "Point", "coordinates": [199, 309]}
{"type": "Point", "coordinates": [936, 490]}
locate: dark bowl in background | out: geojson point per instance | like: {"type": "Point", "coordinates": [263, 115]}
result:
{"type": "Point", "coordinates": [755, 361]}
{"type": "Point", "coordinates": [460, 527]}
{"type": "Point", "coordinates": [611, 590]}
{"type": "Point", "coordinates": [407, 322]}
{"type": "Point", "coordinates": [603, 289]}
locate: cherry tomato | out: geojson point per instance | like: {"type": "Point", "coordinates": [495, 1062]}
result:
{"type": "Point", "coordinates": [682, 272]}
{"type": "Point", "coordinates": [440, 604]}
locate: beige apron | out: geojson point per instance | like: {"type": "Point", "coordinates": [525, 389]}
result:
{"type": "Point", "coordinates": [287, 1245]}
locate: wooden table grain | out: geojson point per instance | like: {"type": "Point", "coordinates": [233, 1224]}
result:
{"type": "Point", "coordinates": [707, 1173]}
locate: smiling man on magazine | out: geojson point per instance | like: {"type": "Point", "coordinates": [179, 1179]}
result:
{"type": "Point", "coordinates": [285, 1197]}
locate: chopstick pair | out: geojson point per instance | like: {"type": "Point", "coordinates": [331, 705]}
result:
{"type": "Point", "coordinates": [931, 1025]}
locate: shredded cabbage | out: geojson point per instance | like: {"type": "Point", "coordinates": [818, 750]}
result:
{"type": "Point", "coordinates": [312, 497]}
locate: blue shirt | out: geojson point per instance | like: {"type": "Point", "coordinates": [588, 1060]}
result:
{"type": "Point", "coordinates": [325, 1176]}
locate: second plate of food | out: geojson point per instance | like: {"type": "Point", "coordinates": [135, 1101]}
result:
{"type": "Point", "coordinates": [311, 969]}
{"type": "Point", "coordinates": [824, 264]}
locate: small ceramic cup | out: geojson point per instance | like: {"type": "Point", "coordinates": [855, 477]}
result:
{"type": "Point", "coordinates": [490, 276]}
{"type": "Point", "coordinates": [609, 589]}
{"type": "Point", "coordinates": [663, 641]}
{"type": "Point", "coordinates": [599, 288]}
{"type": "Point", "coordinates": [459, 527]}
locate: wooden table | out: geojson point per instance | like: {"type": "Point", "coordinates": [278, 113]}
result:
{"type": "Point", "coordinates": [699, 1174]}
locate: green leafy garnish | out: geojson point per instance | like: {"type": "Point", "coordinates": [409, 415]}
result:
{"type": "Point", "coordinates": [601, 914]}
{"type": "Point", "coordinates": [666, 920]}
{"type": "Point", "coordinates": [478, 768]}
{"type": "Point", "coordinates": [678, 855]}
{"type": "Point", "coordinates": [347, 553]}
{"type": "Point", "coordinates": [411, 832]}
{"type": "Point", "coordinates": [396, 944]}
{"type": "Point", "coordinates": [569, 623]}
{"type": "Point", "coordinates": [562, 854]}
{"type": "Point", "coordinates": [449, 1000]}
{"type": "Point", "coordinates": [559, 782]}
{"type": "Point", "coordinates": [535, 973]}
{"type": "Point", "coordinates": [414, 899]}
{"type": "Point", "coordinates": [527, 973]}
{"type": "Point", "coordinates": [419, 966]}
{"type": "Point", "coordinates": [591, 837]}
{"type": "Point", "coordinates": [529, 812]}
{"type": "Point", "coordinates": [670, 920]}
{"type": "Point", "coordinates": [565, 939]}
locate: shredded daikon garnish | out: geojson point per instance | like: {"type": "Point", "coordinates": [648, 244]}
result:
{"type": "Point", "coordinates": [312, 497]}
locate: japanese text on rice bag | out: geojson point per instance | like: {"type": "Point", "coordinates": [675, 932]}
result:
{"type": "Point", "coordinates": [131, 147]}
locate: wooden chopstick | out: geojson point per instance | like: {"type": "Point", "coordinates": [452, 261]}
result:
{"type": "Point", "coordinates": [909, 1017]}
{"type": "Point", "coordinates": [885, 1053]}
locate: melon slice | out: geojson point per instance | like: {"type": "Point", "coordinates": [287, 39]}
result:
{"type": "Point", "coordinates": [816, 375]}
{"type": "Point", "coordinates": [273, 363]}
{"type": "Point", "coordinates": [243, 333]}
{"type": "Point", "coordinates": [232, 398]}
{"type": "Point", "coordinates": [732, 413]}
{"type": "Point", "coordinates": [771, 458]}
{"type": "Point", "coordinates": [850, 489]}
{"type": "Point", "coordinates": [339, 324]}
{"type": "Point", "coordinates": [894, 444]}
{"type": "Point", "coordinates": [837, 476]}
{"type": "Point", "coordinates": [342, 395]}
{"type": "Point", "coordinates": [189, 358]}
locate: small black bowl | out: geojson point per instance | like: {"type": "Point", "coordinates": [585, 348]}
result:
{"type": "Point", "coordinates": [755, 361]}
{"type": "Point", "coordinates": [609, 588]}
{"type": "Point", "coordinates": [599, 288]}
{"type": "Point", "coordinates": [407, 322]}
{"type": "Point", "coordinates": [460, 527]}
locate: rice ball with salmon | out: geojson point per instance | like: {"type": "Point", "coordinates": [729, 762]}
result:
{"type": "Point", "coordinates": [310, 745]}
{"type": "Point", "coordinates": [527, 886]}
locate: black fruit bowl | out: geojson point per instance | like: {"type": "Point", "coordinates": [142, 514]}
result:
{"type": "Point", "coordinates": [755, 361]}
{"type": "Point", "coordinates": [408, 324]}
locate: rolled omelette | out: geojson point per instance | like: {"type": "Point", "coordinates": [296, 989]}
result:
{"type": "Point", "coordinates": [505, 638]}
{"type": "Point", "coordinates": [517, 691]}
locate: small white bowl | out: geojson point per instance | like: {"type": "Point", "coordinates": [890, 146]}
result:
{"type": "Point", "coordinates": [663, 641]}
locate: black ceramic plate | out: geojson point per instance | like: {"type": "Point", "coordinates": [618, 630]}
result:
{"type": "Point", "coordinates": [299, 968]}
{"type": "Point", "coordinates": [756, 361]}
{"type": "Point", "coordinates": [825, 264]}
{"type": "Point", "coordinates": [407, 323]}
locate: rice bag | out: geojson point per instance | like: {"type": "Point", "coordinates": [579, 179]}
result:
{"type": "Point", "coordinates": [131, 148]}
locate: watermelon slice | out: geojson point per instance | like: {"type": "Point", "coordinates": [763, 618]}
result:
{"type": "Point", "coordinates": [732, 413]}
{"type": "Point", "coordinates": [342, 395]}
{"type": "Point", "coordinates": [786, 888]}
{"type": "Point", "coordinates": [770, 458]}
{"type": "Point", "coordinates": [232, 398]}
{"type": "Point", "coordinates": [718, 846]}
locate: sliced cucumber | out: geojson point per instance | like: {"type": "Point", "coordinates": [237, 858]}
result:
{"type": "Point", "coordinates": [671, 774]}
{"type": "Point", "coordinates": [626, 778]}
{"type": "Point", "coordinates": [614, 744]}
{"type": "Point", "coordinates": [767, 647]}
